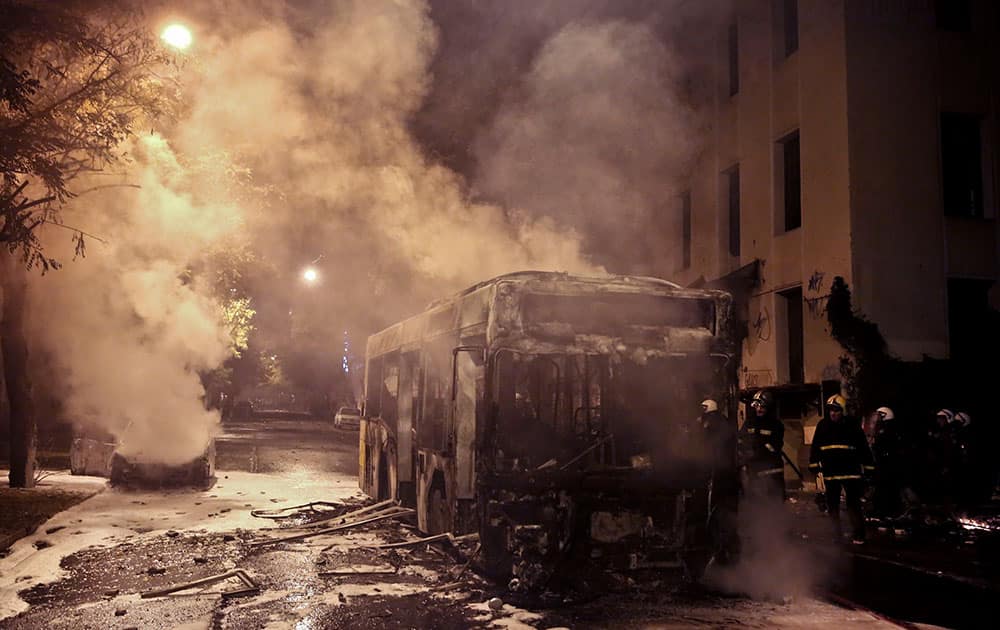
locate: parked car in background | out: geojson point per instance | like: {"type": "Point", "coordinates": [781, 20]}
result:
{"type": "Point", "coordinates": [347, 418]}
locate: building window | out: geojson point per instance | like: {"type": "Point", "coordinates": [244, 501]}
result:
{"type": "Point", "coordinates": [734, 59]}
{"type": "Point", "coordinates": [732, 178]}
{"type": "Point", "coordinates": [686, 230]}
{"type": "Point", "coordinates": [791, 26]}
{"type": "Point", "coordinates": [953, 15]}
{"type": "Point", "coordinates": [962, 164]}
{"type": "Point", "coordinates": [794, 332]}
{"type": "Point", "coordinates": [791, 176]}
{"type": "Point", "coordinates": [968, 315]}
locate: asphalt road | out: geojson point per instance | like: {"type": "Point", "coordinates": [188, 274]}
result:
{"type": "Point", "coordinates": [276, 444]}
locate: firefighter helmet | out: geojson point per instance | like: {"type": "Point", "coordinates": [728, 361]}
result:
{"type": "Point", "coordinates": [836, 403]}
{"type": "Point", "coordinates": [884, 413]}
{"type": "Point", "coordinates": [762, 399]}
{"type": "Point", "coordinates": [709, 405]}
{"type": "Point", "coordinates": [963, 418]}
{"type": "Point", "coordinates": [946, 414]}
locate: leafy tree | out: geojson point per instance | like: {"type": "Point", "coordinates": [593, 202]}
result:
{"type": "Point", "coordinates": [76, 79]}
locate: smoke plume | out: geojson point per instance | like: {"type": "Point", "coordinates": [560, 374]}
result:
{"type": "Point", "coordinates": [125, 331]}
{"type": "Point", "coordinates": [597, 137]}
{"type": "Point", "coordinates": [314, 101]}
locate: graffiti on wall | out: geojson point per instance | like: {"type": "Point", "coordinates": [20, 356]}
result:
{"type": "Point", "coordinates": [816, 281]}
{"type": "Point", "coordinates": [762, 324]}
{"type": "Point", "coordinates": [816, 304]}
{"type": "Point", "coordinates": [757, 378]}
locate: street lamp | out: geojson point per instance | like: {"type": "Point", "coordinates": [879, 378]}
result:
{"type": "Point", "coordinates": [177, 36]}
{"type": "Point", "coordinates": [310, 275]}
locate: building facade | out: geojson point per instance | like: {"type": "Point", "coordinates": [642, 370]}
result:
{"type": "Point", "coordinates": [852, 138]}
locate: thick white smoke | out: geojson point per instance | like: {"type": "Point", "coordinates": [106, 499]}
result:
{"type": "Point", "coordinates": [598, 137]}
{"type": "Point", "coordinates": [123, 329]}
{"type": "Point", "coordinates": [317, 106]}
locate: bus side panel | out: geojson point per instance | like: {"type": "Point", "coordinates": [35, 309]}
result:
{"type": "Point", "coordinates": [468, 375]}
{"type": "Point", "coordinates": [408, 377]}
{"type": "Point", "coordinates": [364, 477]}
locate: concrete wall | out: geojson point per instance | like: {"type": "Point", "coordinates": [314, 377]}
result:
{"type": "Point", "coordinates": [902, 73]}
{"type": "Point", "coordinates": [807, 92]}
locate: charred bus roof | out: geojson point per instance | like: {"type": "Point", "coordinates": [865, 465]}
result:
{"type": "Point", "coordinates": [559, 306]}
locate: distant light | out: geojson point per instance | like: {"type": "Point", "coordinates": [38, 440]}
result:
{"type": "Point", "coordinates": [310, 275]}
{"type": "Point", "coordinates": [177, 35]}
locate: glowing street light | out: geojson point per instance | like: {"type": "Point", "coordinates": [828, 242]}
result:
{"type": "Point", "coordinates": [310, 275]}
{"type": "Point", "coordinates": [178, 36]}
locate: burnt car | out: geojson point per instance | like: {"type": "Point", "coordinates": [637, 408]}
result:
{"type": "Point", "coordinates": [141, 472]}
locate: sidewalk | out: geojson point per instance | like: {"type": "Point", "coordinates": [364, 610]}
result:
{"type": "Point", "coordinates": [23, 510]}
{"type": "Point", "coordinates": [115, 516]}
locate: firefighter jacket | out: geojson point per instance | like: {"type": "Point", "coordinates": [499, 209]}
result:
{"type": "Point", "coordinates": [891, 450]}
{"type": "Point", "coordinates": [761, 439]}
{"type": "Point", "coordinates": [840, 450]}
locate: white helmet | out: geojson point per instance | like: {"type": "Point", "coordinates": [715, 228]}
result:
{"type": "Point", "coordinates": [709, 405]}
{"type": "Point", "coordinates": [884, 413]}
{"type": "Point", "coordinates": [947, 414]}
{"type": "Point", "coordinates": [963, 418]}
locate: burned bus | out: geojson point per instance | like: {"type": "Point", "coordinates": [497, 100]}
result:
{"type": "Point", "coordinates": [554, 415]}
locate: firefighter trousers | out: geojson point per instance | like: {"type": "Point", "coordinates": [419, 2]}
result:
{"type": "Point", "coordinates": [853, 490]}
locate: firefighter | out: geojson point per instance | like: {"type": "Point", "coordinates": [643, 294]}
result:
{"type": "Point", "coordinates": [841, 457]}
{"type": "Point", "coordinates": [937, 461]}
{"type": "Point", "coordinates": [718, 445]}
{"type": "Point", "coordinates": [962, 464]}
{"type": "Point", "coordinates": [761, 440]}
{"type": "Point", "coordinates": [889, 450]}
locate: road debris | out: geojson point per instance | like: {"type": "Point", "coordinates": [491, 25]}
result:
{"type": "Point", "coordinates": [250, 587]}
{"type": "Point", "coordinates": [429, 539]}
{"type": "Point", "coordinates": [361, 570]}
{"type": "Point", "coordinates": [394, 512]}
{"type": "Point", "coordinates": [297, 510]}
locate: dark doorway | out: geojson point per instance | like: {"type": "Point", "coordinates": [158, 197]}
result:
{"type": "Point", "coordinates": [796, 345]}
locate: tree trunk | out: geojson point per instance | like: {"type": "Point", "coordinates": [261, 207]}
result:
{"type": "Point", "coordinates": [23, 430]}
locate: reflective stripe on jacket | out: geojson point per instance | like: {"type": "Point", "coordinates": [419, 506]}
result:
{"type": "Point", "coordinates": [840, 450]}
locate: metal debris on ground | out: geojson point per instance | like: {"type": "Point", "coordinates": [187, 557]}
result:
{"type": "Point", "coordinates": [394, 512]}
{"type": "Point", "coordinates": [343, 518]}
{"type": "Point", "coordinates": [429, 539]}
{"type": "Point", "coordinates": [383, 570]}
{"type": "Point", "coordinates": [299, 510]}
{"type": "Point", "coordinates": [250, 587]}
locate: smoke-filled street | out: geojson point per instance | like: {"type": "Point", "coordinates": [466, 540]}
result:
{"type": "Point", "coordinates": [499, 313]}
